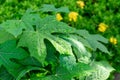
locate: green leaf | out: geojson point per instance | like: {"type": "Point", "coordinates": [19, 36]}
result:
{"type": "Point", "coordinates": [48, 8]}
{"type": "Point", "coordinates": [26, 70]}
{"type": "Point", "coordinates": [100, 38]}
{"type": "Point", "coordinates": [69, 69]}
{"type": "Point", "coordinates": [13, 27]}
{"type": "Point", "coordinates": [31, 20]}
{"type": "Point", "coordinates": [29, 61]}
{"type": "Point", "coordinates": [51, 8]}
{"type": "Point", "coordinates": [9, 51]}
{"type": "Point", "coordinates": [51, 56]}
{"type": "Point", "coordinates": [62, 46]}
{"type": "Point", "coordinates": [81, 69]}
{"type": "Point", "coordinates": [51, 25]}
{"type": "Point", "coordinates": [79, 50]}
{"type": "Point", "coordinates": [76, 69]}
{"type": "Point", "coordinates": [63, 9]}
{"type": "Point", "coordinates": [83, 41]}
{"type": "Point", "coordinates": [94, 40]}
{"type": "Point", "coordinates": [102, 72]}
{"type": "Point", "coordinates": [34, 40]}
{"type": "Point", "coordinates": [4, 75]}
{"type": "Point", "coordinates": [4, 36]}
{"type": "Point", "coordinates": [62, 73]}
{"type": "Point", "coordinates": [67, 61]}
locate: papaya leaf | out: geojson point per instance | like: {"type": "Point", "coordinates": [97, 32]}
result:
{"type": "Point", "coordinates": [35, 43]}
{"type": "Point", "coordinates": [67, 61]}
{"type": "Point", "coordinates": [79, 50]}
{"type": "Point", "coordinates": [51, 8]}
{"type": "Point", "coordinates": [30, 20]}
{"type": "Point", "coordinates": [29, 61]}
{"type": "Point", "coordinates": [8, 51]}
{"type": "Point", "coordinates": [94, 40]}
{"type": "Point", "coordinates": [4, 36]}
{"type": "Point", "coordinates": [102, 72]}
{"type": "Point", "coordinates": [62, 73]}
{"type": "Point", "coordinates": [48, 8]}
{"type": "Point", "coordinates": [100, 38]}
{"type": "Point", "coordinates": [26, 70]}
{"type": "Point", "coordinates": [83, 41]}
{"type": "Point", "coordinates": [96, 44]}
{"type": "Point", "coordinates": [62, 9]}
{"type": "Point", "coordinates": [4, 75]}
{"type": "Point", "coordinates": [51, 25]}
{"type": "Point", "coordinates": [51, 56]}
{"type": "Point", "coordinates": [34, 40]}
{"type": "Point", "coordinates": [69, 69]}
{"type": "Point", "coordinates": [75, 68]}
{"type": "Point", "coordinates": [13, 27]}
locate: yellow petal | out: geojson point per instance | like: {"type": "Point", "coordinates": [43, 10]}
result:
{"type": "Point", "coordinates": [59, 17]}
{"type": "Point", "coordinates": [113, 40]}
{"type": "Point", "coordinates": [81, 4]}
{"type": "Point", "coordinates": [73, 16]}
{"type": "Point", "coordinates": [102, 27]}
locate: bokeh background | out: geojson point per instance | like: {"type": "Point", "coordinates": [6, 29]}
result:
{"type": "Point", "coordinates": [97, 16]}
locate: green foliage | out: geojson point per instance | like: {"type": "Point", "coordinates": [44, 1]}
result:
{"type": "Point", "coordinates": [62, 73]}
{"type": "Point", "coordinates": [50, 48]}
{"type": "Point", "coordinates": [94, 40]}
{"type": "Point", "coordinates": [8, 51]}
{"type": "Point", "coordinates": [16, 28]}
{"type": "Point", "coordinates": [103, 70]}
{"type": "Point", "coordinates": [51, 8]}
{"type": "Point", "coordinates": [5, 36]}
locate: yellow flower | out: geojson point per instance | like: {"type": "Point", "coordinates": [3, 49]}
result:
{"type": "Point", "coordinates": [102, 27]}
{"type": "Point", "coordinates": [113, 40]}
{"type": "Point", "coordinates": [73, 16]}
{"type": "Point", "coordinates": [59, 17]}
{"type": "Point", "coordinates": [81, 4]}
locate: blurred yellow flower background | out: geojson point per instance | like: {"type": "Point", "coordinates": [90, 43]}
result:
{"type": "Point", "coordinates": [73, 16]}
{"type": "Point", "coordinates": [102, 27]}
{"type": "Point", "coordinates": [81, 4]}
{"type": "Point", "coordinates": [59, 17]}
{"type": "Point", "coordinates": [113, 40]}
